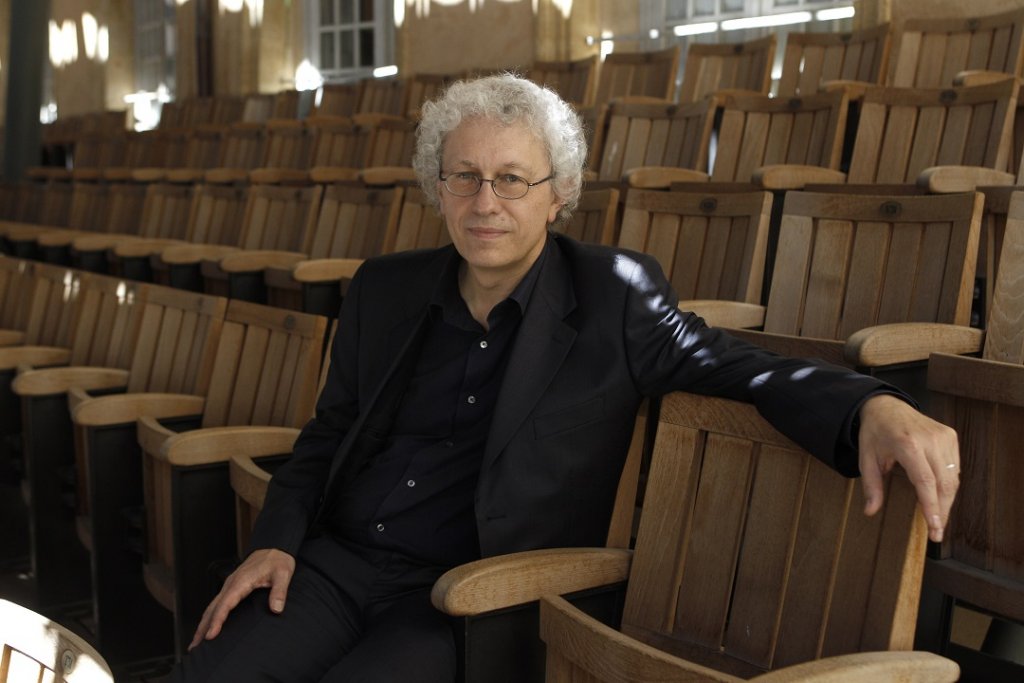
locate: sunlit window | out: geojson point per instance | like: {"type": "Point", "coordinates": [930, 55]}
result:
{"type": "Point", "coordinates": [350, 37]}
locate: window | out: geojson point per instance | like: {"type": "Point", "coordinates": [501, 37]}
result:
{"type": "Point", "coordinates": [349, 38]}
{"type": "Point", "coordinates": [154, 45]}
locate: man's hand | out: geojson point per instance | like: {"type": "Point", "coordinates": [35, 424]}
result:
{"type": "Point", "coordinates": [892, 431]}
{"type": "Point", "coordinates": [267, 568]}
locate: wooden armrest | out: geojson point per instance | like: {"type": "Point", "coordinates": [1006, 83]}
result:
{"type": "Point", "coordinates": [277, 176]}
{"type": "Point", "coordinates": [100, 242]}
{"type": "Point", "coordinates": [185, 175]}
{"type": "Point", "coordinates": [148, 175]}
{"type": "Point", "coordinates": [854, 89]}
{"type": "Point", "coordinates": [795, 176]}
{"type": "Point", "coordinates": [61, 380]}
{"type": "Point", "coordinates": [11, 338]}
{"type": "Point", "coordinates": [151, 435]}
{"type": "Point", "coordinates": [101, 411]}
{"type": "Point", "coordinates": [248, 480]}
{"type": "Point", "coordinates": [218, 444]}
{"type": "Point", "coordinates": [828, 350]}
{"type": "Point", "coordinates": [60, 238]}
{"type": "Point", "coordinates": [248, 261]}
{"type": "Point", "coordinates": [948, 179]}
{"type": "Point", "coordinates": [386, 175]}
{"type": "Point", "coordinates": [662, 177]}
{"type": "Point", "coordinates": [971, 77]}
{"type": "Point", "coordinates": [580, 638]}
{"type": "Point", "coordinates": [226, 176]}
{"type": "Point", "coordinates": [76, 396]}
{"type": "Point", "coordinates": [720, 313]}
{"type": "Point", "coordinates": [976, 378]}
{"type": "Point", "coordinates": [496, 582]}
{"type": "Point", "coordinates": [326, 269]}
{"type": "Point", "coordinates": [877, 667]}
{"type": "Point", "coordinates": [194, 253]}
{"type": "Point", "coordinates": [332, 174]}
{"type": "Point", "coordinates": [142, 247]}
{"type": "Point", "coordinates": [907, 342]}
{"type": "Point", "coordinates": [25, 232]}
{"type": "Point", "coordinates": [35, 356]}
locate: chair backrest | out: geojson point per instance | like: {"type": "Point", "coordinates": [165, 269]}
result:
{"type": "Point", "coordinates": [573, 80]}
{"type": "Point", "coordinates": [265, 368]}
{"type": "Point", "coordinates": [217, 214]}
{"type": "Point", "coordinates": [650, 74]}
{"type": "Point", "coordinates": [848, 261]}
{"type": "Point", "coordinates": [393, 141]}
{"type": "Point", "coordinates": [422, 88]}
{"type": "Point", "coordinates": [811, 59]}
{"type": "Point", "coordinates": [90, 204]}
{"type": "Point", "coordinates": [33, 648]}
{"type": "Point", "coordinates": [420, 226]}
{"type": "Point", "coordinates": [595, 218]}
{"type": "Point", "coordinates": [178, 334]}
{"type": "Point", "coordinates": [289, 145]}
{"type": "Point", "coordinates": [243, 146]}
{"type": "Point", "coordinates": [105, 322]}
{"type": "Point", "coordinates": [54, 299]}
{"type": "Point", "coordinates": [903, 131]}
{"type": "Point", "coordinates": [983, 559]}
{"type": "Point", "coordinates": [930, 52]}
{"type": "Point", "coordinates": [340, 142]}
{"type": "Point", "coordinates": [338, 99]}
{"type": "Point", "coordinates": [17, 279]}
{"type": "Point", "coordinates": [711, 246]}
{"type": "Point", "coordinates": [710, 67]}
{"type": "Point", "coordinates": [166, 210]}
{"type": "Point", "coordinates": [354, 221]}
{"type": "Point", "coordinates": [257, 108]}
{"type": "Point", "coordinates": [203, 148]}
{"type": "Point", "coordinates": [382, 96]}
{"type": "Point", "coordinates": [758, 130]}
{"type": "Point", "coordinates": [277, 217]}
{"type": "Point", "coordinates": [124, 209]}
{"type": "Point", "coordinates": [636, 134]}
{"type": "Point", "coordinates": [752, 555]}
{"type": "Point", "coordinates": [286, 105]}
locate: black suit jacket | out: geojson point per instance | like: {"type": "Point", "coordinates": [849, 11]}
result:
{"type": "Point", "coordinates": [601, 331]}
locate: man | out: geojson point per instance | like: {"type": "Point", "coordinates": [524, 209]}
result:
{"type": "Point", "coordinates": [480, 401]}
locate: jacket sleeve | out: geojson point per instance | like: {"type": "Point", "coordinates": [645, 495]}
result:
{"type": "Point", "coordinates": [297, 487]}
{"type": "Point", "coordinates": [809, 401]}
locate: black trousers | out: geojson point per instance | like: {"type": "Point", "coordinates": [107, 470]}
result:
{"type": "Point", "coordinates": [352, 615]}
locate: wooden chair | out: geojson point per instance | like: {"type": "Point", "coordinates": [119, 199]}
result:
{"type": "Point", "coordinates": [288, 154]}
{"type": "Point", "coordinates": [751, 557]}
{"type": "Point", "coordinates": [595, 218]}
{"type": "Point", "coordinates": [574, 80]}
{"type": "Point", "coordinates": [981, 563]}
{"type": "Point", "coordinates": [33, 648]}
{"type": "Point", "coordinates": [715, 67]}
{"type": "Point", "coordinates": [382, 96]}
{"type": "Point", "coordinates": [850, 267]}
{"type": "Point", "coordinates": [422, 88]}
{"type": "Point", "coordinates": [711, 246]}
{"type": "Point", "coordinates": [353, 223]}
{"type": "Point", "coordinates": [264, 373]}
{"type": "Point", "coordinates": [931, 52]}
{"type": "Point", "coordinates": [172, 351]}
{"type": "Point", "coordinates": [102, 332]}
{"type": "Point", "coordinates": [651, 136]}
{"type": "Point", "coordinates": [649, 74]}
{"type": "Point", "coordinates": [419, 225]}
{"type": "Point", "coordinates": [908, 136]}
{"type": "Point", "coordinates": [16, 282]}
{"type": "Point", "coordinates": [812, 60]}
{"type": "Point", "coordinates": [337, 99]}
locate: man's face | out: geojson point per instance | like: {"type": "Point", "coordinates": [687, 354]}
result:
{"type": "Point", "coordinates": [497, 237]}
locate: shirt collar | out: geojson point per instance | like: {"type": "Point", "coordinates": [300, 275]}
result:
{"type": "Point", "coordinates": [446, 296]}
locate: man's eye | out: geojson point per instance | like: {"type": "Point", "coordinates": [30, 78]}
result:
{"type": "Point", "coordinates": [510, 179]}
{"type": "Point", "coordinates": [466, 177]}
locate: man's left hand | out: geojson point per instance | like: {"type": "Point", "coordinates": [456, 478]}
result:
{"type": "Point", "coordinates": [891, 432]}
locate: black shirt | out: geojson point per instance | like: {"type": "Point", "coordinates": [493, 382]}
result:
{"type": "Point", "coordinates": [416, 496]}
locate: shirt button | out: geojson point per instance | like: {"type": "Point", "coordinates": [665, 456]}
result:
{"type": "Point", "coordinates": [380, 527]}
{"type": "Point", "coordinates": [410, 483]}
{"type": "Point", "coordinates": [471, 400]}
{"type": "Point", "coordinates": [483, 344]}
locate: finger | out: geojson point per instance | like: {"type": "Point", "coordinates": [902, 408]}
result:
{"type": "Point", "coordinates": [279, 591]}
{"type": "Point", "coordinates": [871, 479]}
{"type": "Point", "coordinates": [226, 602]}
{"type": "Point", "coordinates": [925, 483]}
{"type": "Point", "coordinates": [201, 630]}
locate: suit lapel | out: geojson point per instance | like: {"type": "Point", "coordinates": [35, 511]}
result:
{"type": "Point", "coordinates": [543, 341]}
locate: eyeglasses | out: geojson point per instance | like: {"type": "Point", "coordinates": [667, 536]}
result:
{"type": "Point", "coordinates": [506, 186]}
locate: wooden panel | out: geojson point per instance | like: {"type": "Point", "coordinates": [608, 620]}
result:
{"type": "Point", "coordinates": [1004, 339]}
{"type": "Point", "coordinates": [792, 264]}
{"type": "Point", "coordinates": [826, 281]}
{"type": "Point", "coordinates": [867, 269]}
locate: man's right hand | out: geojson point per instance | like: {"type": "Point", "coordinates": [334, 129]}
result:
{"type": "Point", "coordinates": [266, 568]}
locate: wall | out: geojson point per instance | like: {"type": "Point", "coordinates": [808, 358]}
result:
{"type": "Point", "coordinates": [5, 59]}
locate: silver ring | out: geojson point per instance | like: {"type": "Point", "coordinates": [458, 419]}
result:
{"type": "Point", "coordinates": [951, 466]}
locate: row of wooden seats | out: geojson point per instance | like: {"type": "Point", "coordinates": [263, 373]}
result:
{"type": "Point", "coordinates": [34, 648]}
{"type": "Point", "coordinates": [180, 362]}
